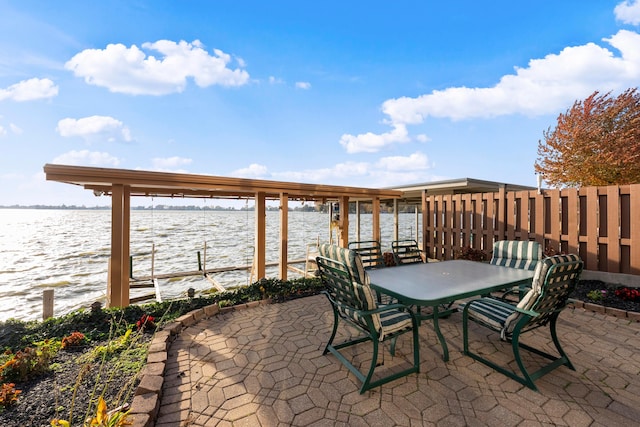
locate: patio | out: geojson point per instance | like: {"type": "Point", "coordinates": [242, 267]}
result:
{"type": "Point", "coordinates": [263, 366]}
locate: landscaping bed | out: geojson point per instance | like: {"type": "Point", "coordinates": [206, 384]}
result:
{"type": "Point", "coordinates": [106, 362]}
{"type": "Point", "coordinates": [604, 294]}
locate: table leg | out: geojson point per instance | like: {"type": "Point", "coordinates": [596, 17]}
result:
{"type": "Point", "coordinates": [436, 326]}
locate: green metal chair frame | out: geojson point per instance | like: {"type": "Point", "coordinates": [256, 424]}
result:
{"type": "Point", "coordinates": [370, 252]}
{"type": "Point", "coordinates": [406, 252]}
{"type": "Point", "coordinates": [554, 280]}
{"type": "Point", "coordinates": [353, 302]}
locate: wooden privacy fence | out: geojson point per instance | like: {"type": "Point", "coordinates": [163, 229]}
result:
{"type": "Point", "coordinates": [601, 224]}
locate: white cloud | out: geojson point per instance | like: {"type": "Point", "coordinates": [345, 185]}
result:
{"type": "Point", "coordinates": [545, 86]}
{"type": "Point", "coordinates": [132, 71]}
{"type": "Point", "coordinates": [94, 126]}
{"type": "Point", "coordinates": [253, 171]}
{"type": "Point", "coordinates": [628, 12]}
{"type": "Point", "coordinates": [29, 90]}
{"type": "Point", "coordinates": [415, 161]}
{"type": "Point", "coordinates": [13, 128]}
{"type": "Point", "coordinates": [387, 171]}
{"type": "Point", "coordinates": [86, 158]}
{"type": "Point", "coordinates": [170, 163]}
{"type": "Point", "coordinates": [303, 85]}
{"type": "Point", "coordinates": [371, 142]}
{"type": "Point", "coordinates": [275, 80]}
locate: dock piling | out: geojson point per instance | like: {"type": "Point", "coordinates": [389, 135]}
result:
{"type": "Point", "coordinates": [47, 304]}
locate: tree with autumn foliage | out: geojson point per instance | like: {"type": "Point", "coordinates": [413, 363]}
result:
{"type": "Point", "coordinates": [596, 142]}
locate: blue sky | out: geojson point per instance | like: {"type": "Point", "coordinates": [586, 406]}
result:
{"type": "Point", "coordinates": [363, 93]}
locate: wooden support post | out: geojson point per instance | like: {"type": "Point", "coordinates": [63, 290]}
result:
{"type": "Point", "coordinates": [118, 281]}
{"type": "Point", "coordinates": [396, 222]}
{"type": "Point", "coordinates": [284, 238]}
{"type": "Point", "coordinates": [343, 239]}
{"type": "Point", "coordinates": [47, 304]}
{"type": "Point", "coordinates": [126, 241]}
{"type": "Point", "coordinates": [116, 266]}
{"type": "Point", "coordinates": [261, 236]}
{"type": "Point", "coordinates": [375, 218]}
{"type": "Point", "coordinates": [417, 223]}
{"type": "Point", "coordinates": [357, 220]}
{"type": "Point", "coordinates": [425, 223]}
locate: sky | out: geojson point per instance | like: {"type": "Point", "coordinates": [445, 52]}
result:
{"type": "Point", "coordinates": [360, 93]}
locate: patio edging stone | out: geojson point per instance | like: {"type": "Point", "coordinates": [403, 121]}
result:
{"type": "Point", "coordinates": [601, 309]}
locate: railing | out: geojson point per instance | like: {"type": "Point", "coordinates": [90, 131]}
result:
{"type": "Point", "coordinates": [601, 224]}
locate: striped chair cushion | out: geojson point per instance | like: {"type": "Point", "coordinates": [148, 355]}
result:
{"type": "Point", "coordinates": [516, 254]}
{"type": "Point", "coordinates": [385, 323]}
{"type": "Point", "coordinates": [504, 318]}
{"type": "Point", "coordinates": [349, 258]}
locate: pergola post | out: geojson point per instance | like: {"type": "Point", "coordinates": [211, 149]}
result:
{"type": "Point", "coordinates": [358, 206]}
{"type": "Point", "coordinates": [284, 232]}
{"type": "Point", "coordinates": [118, 280]}
{"type": "Point", "coordinates": [425, 217]}
{"type": "Point", "coordinates": [344, 222]}
{"type": "Point", "coordinates": [375, 218]}
{"type": "Point", "coordinates": [396, 220]}
{"type": "Point", "coordinates": [260, 254]}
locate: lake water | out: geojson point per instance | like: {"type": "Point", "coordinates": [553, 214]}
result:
{"type": "Point", "coordinates": [68, 250]}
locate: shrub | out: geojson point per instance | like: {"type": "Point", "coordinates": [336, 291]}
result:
{"type": "Point", "coordinates": [628, 294]}
{"type": "Point", "coordinates": [471, 254]}
{"type": "Point", "coordinates": [73, 340]}
{"type": "Point", "coordinates": [30, 362]}
{"type": "Point", "coordinates": [8, 395]}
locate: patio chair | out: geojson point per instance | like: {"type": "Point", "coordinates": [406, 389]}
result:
{"type": "Point", "coordinates": [406, 252]}
{"type": "Point", "coordinates": [370, 252]}
{"type": "Point", "coordinates": [522, 254]}
{"type": "Point", "coordinates": [554, 279]}
{"type": "Point", "coordinates": [516, 254]}
{"type": "Point", "coordinates": [353, 301]}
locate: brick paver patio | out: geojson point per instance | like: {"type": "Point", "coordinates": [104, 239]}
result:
{"type": "Point", "coordinates": [263, 366]}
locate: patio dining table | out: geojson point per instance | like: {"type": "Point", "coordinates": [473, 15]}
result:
{"type": "Point", "coordinates": [435, 283]}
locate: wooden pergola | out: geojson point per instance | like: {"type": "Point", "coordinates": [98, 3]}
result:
{"type": "Point", "coordinates": [122, 184]}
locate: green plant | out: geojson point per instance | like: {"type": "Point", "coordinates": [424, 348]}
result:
{"type": "Point", "coordinates": [73, 340]}
{"type": "Point", "coordinates": [30, 362]}
{"type": "Point", "coordinates": [597, 295]}
{"type": "Point", "coordinates": [103, 418]}
{"type": "Point", "coordinates": [113, 347]}
{"type": "Point", "coordinates": [8, 395]}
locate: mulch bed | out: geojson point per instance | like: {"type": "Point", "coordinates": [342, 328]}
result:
{"type": "Point", "coordinates": [609, 299]}
{"type": "Point", "coordinates": [71, 385]}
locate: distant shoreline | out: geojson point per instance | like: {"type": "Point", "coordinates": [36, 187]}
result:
{"type": "Point", "coordinates": [306, 208]}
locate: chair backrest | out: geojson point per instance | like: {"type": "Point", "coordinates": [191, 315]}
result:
{"type": "Point", "coordinates": [349, 295]}
{"type": "Point", "coordinates": [516, 254]}
{"type": "Point", "coordinates": [406, 252]}
{"type": "Point", "coordinates": [370, 252]}
{"type": "Point", "coordinates": [351, 259]}
{"type": "Point", "coordinates": [553, 281]}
